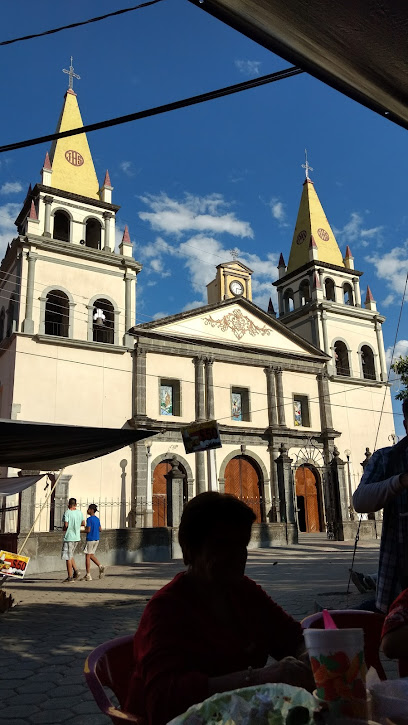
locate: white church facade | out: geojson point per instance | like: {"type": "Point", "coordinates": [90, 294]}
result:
{"type": "Point", "coordinates": [297, 398]}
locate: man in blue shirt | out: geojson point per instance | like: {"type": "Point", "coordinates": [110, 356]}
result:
{"type": "Point", "coordinates": [93, 529]}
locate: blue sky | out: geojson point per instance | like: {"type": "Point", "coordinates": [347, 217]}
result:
{"type": "Point", "coordinates": [195, 183]}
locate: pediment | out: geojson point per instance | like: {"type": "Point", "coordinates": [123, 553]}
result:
{"type": "Point", "coordinates": [239, 322]}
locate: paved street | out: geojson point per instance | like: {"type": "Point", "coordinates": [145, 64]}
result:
{"type": "Point", "coordinates": [47, 636]}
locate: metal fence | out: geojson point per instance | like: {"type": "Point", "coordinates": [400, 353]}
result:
{"type": "Point", "coordinates": [112, 513]}
{"type": "Point", "coordinates": [9, 519]}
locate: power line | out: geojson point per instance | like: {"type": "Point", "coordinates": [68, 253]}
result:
{"type": "Point", "coordinates": [392, 356]}
{"type": "Point", "coordinates": [157, 110]}
{"type": "Point", "coordinates": [97, 19]}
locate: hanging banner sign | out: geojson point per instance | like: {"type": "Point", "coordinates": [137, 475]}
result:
{"type": "Point", "coordinates": [13, 564]}
{"type": "Point", "coordinates": [201, 436]}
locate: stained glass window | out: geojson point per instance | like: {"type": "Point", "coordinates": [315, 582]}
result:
{"type": "Point", "coordinates": [236, 406]}
{"type": "Point", "coordinates": [166, 400]}
{"type": "Point", "coordinates": [297, 410]}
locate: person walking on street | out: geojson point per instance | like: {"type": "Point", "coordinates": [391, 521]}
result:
{"type": "Point", "coordinates": [93, 529]}
{"type": "Point", "coordinates": [72, 521]}
{"type": "Point", "coordinates": [384, 485]}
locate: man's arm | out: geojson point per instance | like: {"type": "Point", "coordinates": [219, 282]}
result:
{"type": "Point", "coordinates": [374, 491]}
{"type": "Point", "coordinates": [64, 528]}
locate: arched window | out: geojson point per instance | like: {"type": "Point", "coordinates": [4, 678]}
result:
{"type": "Point", "coordinates": [288, 303]}
{"type": "Point", "coordinates": [304, 291]}
{"type": "Point", "coordinates": [103, 322]}
{"type": "Point", "coordinates": [2, 323]}
{"type": "Point", "coordinates": [56, 314]}
{"type": "Point", "coordinates": [348, 294]}
{"type": "Point", "coordinates": [329, 290]}
{"type": "Point", "coordinates": [61, 226]}
{"type": "Point", "coordinates": [93, 234]}
{"type": "Point", "coordinates": [341, 358]}
{"type": "Point", "coordinates": [10, 317]}
{"type": "Point", "coordinates": [367, 363]}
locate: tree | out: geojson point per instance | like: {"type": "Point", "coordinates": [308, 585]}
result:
{"type": "Point", "coordinates": [400, 366]}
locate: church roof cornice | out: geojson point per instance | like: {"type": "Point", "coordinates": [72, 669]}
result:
{"type": "Point", "coordinates": [247, 305]}
{"type": "Point", "coordinates": [51, 191]}
{"type": "Point", "coordinates": [316, 264]}
{"type": "Point", "coordinates": [232, 262]}
{"type": "Point", "coordinates": [72, 250]}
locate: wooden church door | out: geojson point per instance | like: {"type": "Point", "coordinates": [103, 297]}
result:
{"type": "Point", "coordinates": [160, 492]}
{"type": "Point", "coordinates": [307, 498]}
{"type": "Point", "coordinates": [242, 480]}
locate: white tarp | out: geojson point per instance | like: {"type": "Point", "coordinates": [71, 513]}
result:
{"type": "Point", "coordinates": [11, 486]}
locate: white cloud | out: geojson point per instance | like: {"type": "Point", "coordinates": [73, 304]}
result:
{"type": "Point", "coordinates": [392, 268]}
{"type": "Point", "coordinates": [388, 300]}
{"type": "Point", "coordinates": [11, 187]}
{"type": "Point", "coordinates": [8, 214]}
{"type": "Point", "coordinates": [278, 211]}
{"type": "Point", "coordinates": [193, 214]}
{"type": "Point", "coordinates": [354, 232]}
{"type": "Point", "coordinates": [401, 349]}
{"type": "Point", "coordinates": [127, 168]}
{"type": "Point", "coordinates": [248, 67]}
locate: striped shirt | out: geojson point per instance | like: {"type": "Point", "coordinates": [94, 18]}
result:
{"type": "Point", "coordinates": [381, 488]}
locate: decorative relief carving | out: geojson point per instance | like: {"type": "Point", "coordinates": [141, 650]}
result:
{"type": "Point", "coordinates": [238, 323]}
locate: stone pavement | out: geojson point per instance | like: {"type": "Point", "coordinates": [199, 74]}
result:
{"type": "Point", "coordinates": [47, 636]}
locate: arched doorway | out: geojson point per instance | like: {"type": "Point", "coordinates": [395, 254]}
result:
{"type": "Point", "coordinates": [244, 480]}
{"type": "Point", "coordinates": [160, 491]}
{"type": "Point", "coordinates": [308, 499]}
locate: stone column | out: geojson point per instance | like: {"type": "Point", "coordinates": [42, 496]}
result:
{"type": "Point", "coordinates": [210, 412]}
{"type": "Point", "coordinates": [209, 388]}
{"type": "Point", "coordinates": [139, 382]}
{"type": "Point", "coordinates": [357, 296]}
{"type": "Point", "coordinates": [324, 402]}
{"type": "Point", "coordinates": [271, 396]}
{"type": "Point", "coordinates": [324, 328]}
{"type": "Point", "coordinates": [275, 512]}
{"type": "Point", "coordinates": [61, 499]}
{"type": "Point", "coordinates": [380, 345]}
{"type": "Point", "coordinates": [136, 516]}
{"type": "Point", "coordinates": [47, 217]}
{"type": "Point", "coordinates": [284, 474]}
{"type": "Point", "coordinates": [148, 517]}
{"type": "Point", "coordinates": [280, 398]}
{"type": "Point", "coordinates": [280, 303]}
{"type": "Point", "coordinates": [174, 480]}
{"type": "Point", "coordinates": [107, 215]}
{"type": "Point", "coordinates": [200, 416]}
{"type": "Point", "coordinates": [127, 339]}
{"type": "Point", "coordinates": [199, 388]}
{"type": "Point", "coordinates": [27, 506]}
{"type": "Point", "coordinates": [337, 511]}
{"type": "Point", "coordinates": [28, 322]}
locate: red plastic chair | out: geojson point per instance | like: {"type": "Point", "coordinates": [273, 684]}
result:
{"type": "Point", "coordinates": [110, 665]}
{"type": "Point", "coordinates": [370, 622]}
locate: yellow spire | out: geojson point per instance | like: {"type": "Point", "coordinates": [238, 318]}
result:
{"type": "Point", "coordinates": [312, 223]}
{"type": "Point", "coordinates": [72, 165]}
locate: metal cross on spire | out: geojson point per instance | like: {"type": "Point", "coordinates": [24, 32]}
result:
{"type": "Point", "coordinates": [72, 75]}
{"type": "Point", "coordinates": [234, 253]}
{"type": "Point", "coordinates": [306, 166]}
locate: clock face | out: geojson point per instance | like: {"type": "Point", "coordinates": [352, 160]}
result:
{"type": "Point", "coordinates": [237, 288]}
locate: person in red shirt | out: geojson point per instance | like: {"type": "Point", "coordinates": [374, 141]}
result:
{"type": "Point", "coordinates": [211, 629]}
